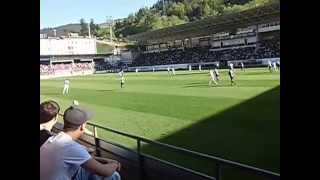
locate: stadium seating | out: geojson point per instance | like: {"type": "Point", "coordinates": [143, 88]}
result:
{"type": "Point", "coordinates": [264, 49]}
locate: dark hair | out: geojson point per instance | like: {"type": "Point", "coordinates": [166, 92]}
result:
{"type": "Point", "coordinates": [48, 110]}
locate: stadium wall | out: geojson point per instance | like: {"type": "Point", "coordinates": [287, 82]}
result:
{"type": "Point", "coordinates": [248, 63]}
{"type": "Point", "coordinates": [65, 74]}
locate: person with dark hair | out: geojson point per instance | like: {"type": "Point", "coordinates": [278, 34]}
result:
{"type": "Point", "coordinates": [61, 157]}
{"type": "Point", "coordinates": [49, 111]}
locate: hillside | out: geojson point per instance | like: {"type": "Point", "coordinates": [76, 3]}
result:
{"type": "Point", "coordinates": [62, 30]}
{"type": "Point", "coordinates": [175, 12]}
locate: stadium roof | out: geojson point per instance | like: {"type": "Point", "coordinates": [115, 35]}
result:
{"type": "Point", "coordinates": [211, 25]}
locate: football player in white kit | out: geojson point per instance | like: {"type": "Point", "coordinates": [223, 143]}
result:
{"type": "Point", "coordinates": [216, 72]}
{"type": "Point", "coordinates": [66, 87]}
{"type": "Point", "coordinates": [121, 74]}
{"type": "Point", "coordinates": [231, 75]}
{"type": "Point", "coordinates": [231, 66]}
{"type": "Point", "coordinates": [212, 78]}
{"type": "Point", "coordinates": [173, 71]}
{"type": "Point", "coordinates": [269, 65]}
{"type": "Point", "coordinates": [242, 66]}
{"type": "Point", "coordinates": [278, 64]}
{"type": "Point", "coordinates": [274, 65]}
{"type": "Point", "coordinates": [121, 81]}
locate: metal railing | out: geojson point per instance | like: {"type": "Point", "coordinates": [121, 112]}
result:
{"type": "Point", "coordinates": [220, 163]}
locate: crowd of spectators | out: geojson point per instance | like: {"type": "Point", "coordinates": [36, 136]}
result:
{"type": "Point", "coordinates": [264, 49]}
{"type": "Point", "coordinates": [268, 49]}
{"type": "Point", "coordinates": [75, 67]}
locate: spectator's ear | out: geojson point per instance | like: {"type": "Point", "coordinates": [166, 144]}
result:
{"type": "Point", "coordinates": [83, 127]}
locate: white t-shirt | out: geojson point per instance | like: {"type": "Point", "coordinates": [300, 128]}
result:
{"type": "Point", "coordinates": [216, 72]}
{"type": "Point", "coordinates": [211, 74]}
{"type": "Point", "coordinates": [66, 82]}
{"type": "Point", "coordinates": [60, 157]}
{"type": "Point", "coordinates": [231, 73]}
{"type": "Point", "coordinates": [274, 64]}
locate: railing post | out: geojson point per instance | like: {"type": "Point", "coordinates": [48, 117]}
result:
{"type": "Point", "coordinates": [140, 159]}
{"type": "Point", "coordinates": [96, 141]}
{"type": "Point", "coordinates": [218, 172]}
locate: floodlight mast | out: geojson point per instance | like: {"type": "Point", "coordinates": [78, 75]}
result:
{"type": "Point", "coordinates": [89, 33]}
{"type": "Point", "coordinates": [110, 22]}
{"type": "Point", "coordinates": [163, 7]}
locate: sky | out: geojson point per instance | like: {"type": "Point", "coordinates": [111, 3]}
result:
{"type": "Point", "coordinates": [60, 12]}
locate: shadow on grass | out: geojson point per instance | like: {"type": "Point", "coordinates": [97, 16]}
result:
{"type": "Point", "coordinates": [51, 94]}
{"type": "Point", "coordinates": [206, 85]}
{"type": "Point", "coordinates": [105, 90]}
{"type": "Point", "coordinates": [193, 83]}
{"type": "Point", "coordinates": [190, 73]}
{"type": "Point", "coordinates": [248, 133]}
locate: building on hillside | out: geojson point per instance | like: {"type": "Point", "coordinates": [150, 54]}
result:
{"type": "Point", "coordinates": [43, 36]}
{"type": "Point", "coordinates": [68, 46]}
{"type": "Point", "coordinates": [73, 35]}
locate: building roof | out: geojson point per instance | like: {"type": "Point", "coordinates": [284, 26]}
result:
{"type": "Point", "coordinates": [211, 25]}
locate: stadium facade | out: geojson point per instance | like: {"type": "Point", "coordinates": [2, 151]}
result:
{"type": "Point", "coordinates": [67, 46]}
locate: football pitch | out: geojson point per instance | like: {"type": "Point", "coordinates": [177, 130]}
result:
{"type": "Point", "coordinates": [239, 123]}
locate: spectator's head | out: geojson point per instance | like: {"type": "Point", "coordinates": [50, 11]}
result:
{"type": "Point", "coordinates": [75, 119]}
{"type": "Point", "coordinates": [49, 111]}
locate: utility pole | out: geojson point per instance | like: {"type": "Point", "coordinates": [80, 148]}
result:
{"type": "Point", "coordinates": [55, 33]}
{"type": "Point", "coordinates": [110, 22]}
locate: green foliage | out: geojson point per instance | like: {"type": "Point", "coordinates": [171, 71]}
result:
{"type": "Point", "coordinates": [104, 48]}
{"type": "Point", "coordinates": [180, 11]}
{"type": "Point", "coordinates": [103, 33]}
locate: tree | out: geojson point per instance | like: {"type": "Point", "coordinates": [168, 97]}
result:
{"type": "Point", "coordinates": [180, 11]}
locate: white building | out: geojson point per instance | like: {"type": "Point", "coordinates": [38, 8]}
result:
{"type": "Point", "coordinates": [68, 46]}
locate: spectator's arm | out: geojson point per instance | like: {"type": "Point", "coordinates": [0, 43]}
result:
{"type": "Point", "coordinates": [95, 167]}
{"type": "Point", "coordinates": [105, 160]}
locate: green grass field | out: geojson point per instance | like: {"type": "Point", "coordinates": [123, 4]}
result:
{"type": "Point", "coordinates": [239, 123]}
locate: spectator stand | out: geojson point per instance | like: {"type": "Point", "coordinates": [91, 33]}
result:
{"type": "Point", "coordinates": [230, 37]}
